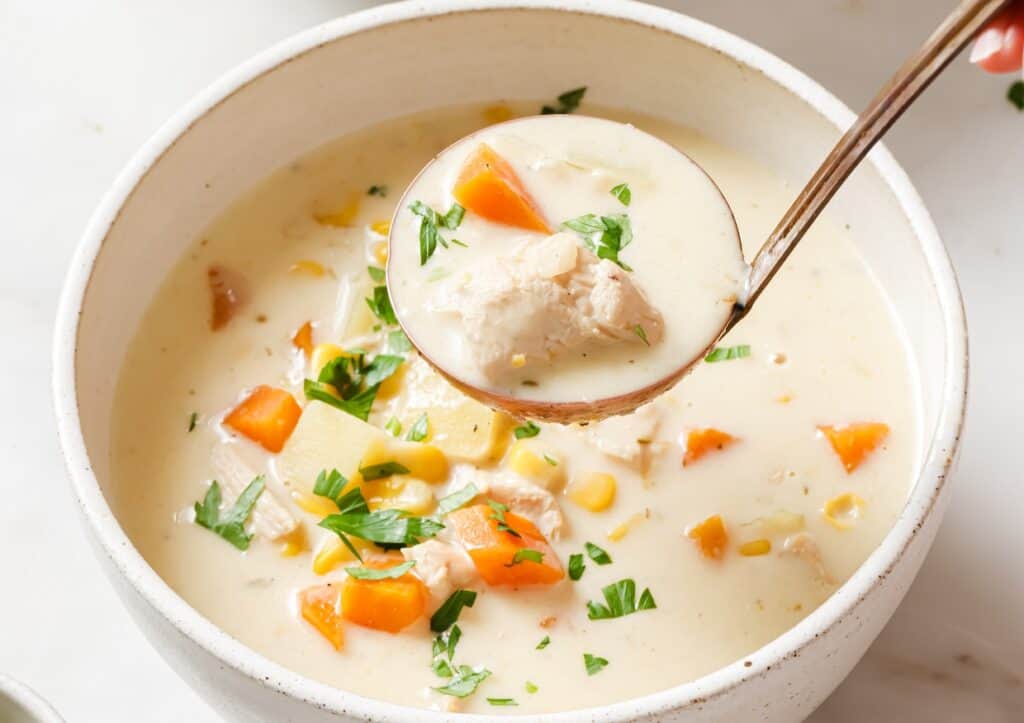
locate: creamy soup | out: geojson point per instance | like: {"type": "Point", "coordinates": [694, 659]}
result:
{"type": "Point", "coordinates": [578, 245]}
{"type": "Point", "coordinates": [602, 562]}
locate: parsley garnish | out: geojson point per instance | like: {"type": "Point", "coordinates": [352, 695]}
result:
{"type": "Point", "coordinates": [620, 599]}
{"type": "Point", "coordinates": [545, 642]}
{"type": "Point", "coordinates": [551, 460]}
{"type": "Point", "coordinates": [457, 499]}
{"type": "Point", "coordinates": [358, 406]}
{"type": "Point", "coordinates": [387, 573]}
{"type": "Point", "coordinates": [1015, 94]}
{"type": "Point", "coordinates": [465, 682]}
{"type": "Point", "coordinates": [567, 102]}
{"type": "Point", "coordinates": [606, 236]}
{"type": "Point", "coordinates": [595, 553]}
{"type": "Point", "coordinates": [398, 342]}
{"type": "Point", "coordinates": [639, 331]}
{"type": "Point", "coordinates": [593, 663]}
{"type": "Point", "coordinates": [230, 526]}
{"type": "Point", "coordinates": [576, 566]}
{"type": "Point", "coordinates": [375, 190]}
{"type": "Point", "coordinates": [393, 427]}
{"type": "Point", "coordinates": [726, 353]}
{"type": "Point", "coordinates": [355, 380]}
{"type": "Point", "coordinates": [381, 470]}
{"type": "Point", "coordinates": [430, 224]}
{"type": "Point", "coordinates": [192, 419]}
{"type": "Point", "coordinates": [622, 193]}
{"type": "Point", "coordinates": [498, 514]}
{"type": "Point", "coordinates": [418, 431]}
{"type": "Point", "coordinates": [524, 554]}
{"type": "Point", "coordinates": [376, 273]}
{"type": "Point", "coordinates": [446, 615]}
{"type": "Point", "coordinates": [381, 307]}
{"type": "Point", "coordinates": [526, 430]}
{"type": "Point", "coordinates": [444, 644]}
{"type": "Point", "coordinates": [531, 687]}
{"type": "Point", "coordinates": [502, 701]}
{"type": "Point", "coordinates": [441, 668]}
{"type": "Point", "coordinates": [386, 528]}
{"type": "Point", "coordinates": [330, 485]}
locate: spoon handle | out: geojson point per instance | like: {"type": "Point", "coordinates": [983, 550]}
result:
{"type": "Point", "coordinates": [948, 39]}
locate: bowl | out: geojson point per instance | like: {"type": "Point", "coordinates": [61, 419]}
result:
{"type": "Point", "coordinates": [21, 704]}
{"type": "Point", "coordinates": [410, 56]}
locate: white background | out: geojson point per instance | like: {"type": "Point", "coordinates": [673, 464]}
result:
{"type": "Point", "coordinates": [84, 83]}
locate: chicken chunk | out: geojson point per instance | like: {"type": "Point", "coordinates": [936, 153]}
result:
{"type": "Point", "coordinates": [628, 438]}
{"type": "Point", "coordinates": [443, 568]}
{"type": "Point", "coordinates": [803, 547]}
{"type": "Point", "coordinates": [519, 494]}
{"type": "Point", "coordinates": [270, 519]}
{"type": "Point", "coordinates": [547, 296]}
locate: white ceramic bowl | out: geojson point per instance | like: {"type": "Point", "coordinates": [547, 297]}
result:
{"type": "Point", "coordinates": [21, 704]}
{"type": "Point", "coordinates": [410, 56]}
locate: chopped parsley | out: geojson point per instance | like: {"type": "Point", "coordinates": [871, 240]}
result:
{"type": "Point", "coordinates": [639, 331]}
{"type": "Point", "coordinates": [441, 668]}
{"type": "Point", "coordinates": [524, 431]}
{"type": "Point", "coordinates": [593, 663]}
{"type": "Point", "coordinates": [620, 600]}
{"type": "Point", "coordinates": [545, 642]}
{"type": "Point", "coordinates": [192, 419]}
{"type": "Point", "coordinates": [576, 566]}
{"type": "Point", "coordinates": [622, 193]}
{"type": "Point", "coordinates": [398, 342]}
{"type": "Point", "coordinates": [502, 701]}
{"type": "Point", "coordinates": [350, 383]}
{"type": "Point", "coordinates": [376, 273]}
{"type": "Point", "coordinates": [230, 526]}
{"type": "Point", "coordinates": [358, 405]}
{"type": "Point", "coordinates": [598, 555]}
{"type": "Point", "coordinates": [567, 102]}
{"type": "Point", "coordinates": [387, 573]}
{"type": "Point", "coordinates": [376, 190]}
{"type": "Point", "coordinates": [727, 353]}
{"type": "Point", "coordinates": [1015, 94]}
{"type": "Point", "coordinates": [551, 460]}
{"type": "Point", "coordinates": [457, 499]}
{"type": "Point", "coordinates": [393, 427]}
{"type": "Point", "coordinates": [531, 687]}
{"type": "Point", "coordinates": [430, 224]}
{"type": "Point", "coordinates": [446, 615]}
{"type": "Point", "coordinates": [498, 513]}
{"type": "Point", "coordinates": [330, 485]}
{"type": "Point", "coordinates": [382, 367]}
{"type": "Point", "coordinates": [465, 682]}
{"type": "Point", "coordinates": [387, 528]}
{"type": "Point", "coordinates": [524, 554]}
{"type": "Point", "coordinates": [381, 470]}
{"type": "Point", "coordinates": [606, 236]}
{"type": "Point", "coordinates": [381, 307]}
{"type": "Point", "coordinates": [418, 431]}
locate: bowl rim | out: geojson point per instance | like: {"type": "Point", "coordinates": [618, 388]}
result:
{"type": "Point", "coordinates": [29, 700]}
{"type": "Point", "coordinates": [928, 488]}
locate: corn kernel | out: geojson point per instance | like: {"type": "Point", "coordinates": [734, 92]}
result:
{"type": "Point", "coordinates": [594, 491]}
{"type": "Point", "coordinates": [784, 399]}
{"type": "Point", "coordinates": [323, 353]}
{"type": "Point", "coordinates": [497, 113]}
{"type": "Point", "coordinates": [400, 493]}
{"type": "Point", "coordinates": [535, 468]}
{"type": "Point", "coordinates": [755, 548]}
{"type": "Point", "coordinates": [294, 542]}
{"type": "Point", "coordinates": [393, 384]}
{"type": "Point", "coordinates": [843, 511]}
{"type": "Point", "coordinates": [314, 504]}
{"type": "Point", "coordinates": [332, 554]}
{"type": "Point", "coordinates": [518, 361]}
{"type": "Point", "coordinates": [307, 266]}
{"type": "Point", "coordinates": [381, 228]}
{"type": "Point", "coordinates": [623, 528]}
{"type": "Point", "coordinates": [380, 252]}
{"type": "Point", "coordinates": [343, 217]}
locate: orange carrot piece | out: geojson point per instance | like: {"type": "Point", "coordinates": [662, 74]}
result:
{"type": "Point", "coordinates": [321, 608]}
{"type": "Point", "coordinates": [854, 442]}
{"type": "Point", "coordinates": [711, 537]}
{"type": "Point", "coordinates": [493, 551]}
{"type": "Point", "coordinates": [701, 441]}
{"type": "Point", "coordinates": [229, 292]}
{"type": "Point", "coordinates": [489, 187]}
{"type": "Point", "coordinates": [266, 416]}
{"type": "Point", "coordinates": [303, 339]}
{"type": "Point", "coordinates": [389, 604]}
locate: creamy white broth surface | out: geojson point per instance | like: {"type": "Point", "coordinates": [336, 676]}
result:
{"type": "Point", "coordinates": [824, 349]}
{"type": "Point", "coordinates": [501, 310]}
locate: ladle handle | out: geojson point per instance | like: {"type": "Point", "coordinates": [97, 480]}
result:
{"type": "Point", "coordinates": [948, 39]}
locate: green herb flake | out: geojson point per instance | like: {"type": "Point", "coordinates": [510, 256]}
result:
{"type": "Point", "coordinates": [381, 470]}
{"type": "Point", "coordinates": [230, 526]}
{"type": "Point", "coordinates": [502, 701]}
{"type": "Point", "coordinates": [192, 419]}
{"type": "Point", "coordinates": [387, 528]}
{"type": "Point", "coordinates": [639, 331]}
{"type": "Point", "coordinates": [576, 566]}
{"type": "Point", "coordinates": [598, 555]}
{"type": "Point", "coordinates": [330, 485]}
{"type": "Point", "coordinates": [446, 615]}
{"type": "Point", "coordinates": [418, 431]}
{"type": "Point", "coordinates": [728, 353]}
{"type": "Point", "coordinates": [1015, 94]}
{"type": "Point", "coordinates": [498, 511]}
{"type": "Point", "coordinates": [441, 668]}
{"type": "Point", "coordinates": [358, 406]}
{"type": "Point", "coordinates": [606, 236]}
{"type": "Point", "coordinates": [531, 687]}
{"type": "Point", "coordinates": [387, 573]}
{"type": "Point", "coordinates": [524, 554]}
{"type": "Point", "coordinates": [568, 102]}
{"type": "Point", "coordinates": [393, 427]}
{"type": "Point", "coordinates": [620, 600]}
{"type": "Point", "coordinates": [525, 431]}
{"type": "Point", "coordinates": [376, 273]}
{"type": "Point", "coordinates": [551, 460]}
{"type": "Point", "coordinates": [398, 342]}
{"type": "Point", "coordinates": [465, 682]}
{"type": "Point", "coordinates": [381, 307]}
{"type": "Point", "coordinates": [593, 663]}
{"type": "Point", "coordinates": [457, 499]}
{"type": "Point", "coordinates": [430, 224]}
{"type": "Point", "coordinates": [375, 190]}
{"type": "Point", "coordinates": [622, 193]}
{"type": "Point", "coordinates": [545, 642]}
{"type": "Point", "coordinates": [382, 367]}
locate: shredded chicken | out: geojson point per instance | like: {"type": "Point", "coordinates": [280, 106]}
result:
{"type": "Point", "coordinates": [522, 497]}
{"type": "Point", "coordinates": [803, 546]}
{"type": "Point", "coordinates": [270, 519]}
{"type": "Point", "coordinates": [629, 437]}
{"type": "Point", "coordinates": [443, 567]}
{"type": "Point", "coordinates": [547, 296]}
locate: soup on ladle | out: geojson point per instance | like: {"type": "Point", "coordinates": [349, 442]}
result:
{"type": "Point", "coordinates": [563, 267]}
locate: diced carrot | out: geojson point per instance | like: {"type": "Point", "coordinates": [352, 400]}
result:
{"type": "Point", "coordinates": [493, 551]}
{"type": "Point", "coordinates": [229, 292]}
{"type": "Point", "coordinates": [266, 416]}
{"type": "Point", "coordinates": [489, 187]}
{"type": "Point", "coordinates": [854, 442]}
{"type": "Point", "coordinates": [711, 536]}
{"type": "Point", "coordinates": [321, 608]}
{"type": "Point", "coordinates": [303, 339]}
{"type": "Point", "coordinates": [701, 441]}
{"type": "Point", "coordinates": [390, 604]}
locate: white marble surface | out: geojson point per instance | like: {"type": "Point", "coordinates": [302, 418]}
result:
{"type": "Point", "coordinates": [84, 82]}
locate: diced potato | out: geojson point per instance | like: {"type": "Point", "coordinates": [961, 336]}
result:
{"type": "Point", "coordinates": [780, 522]}
{"type": "Point", "coordinates": [424, 461]}
{"type": "Point", "coordinates": [594, 491]}
{"type": "Point", "coordinates": [324, 439]}
{"type": "Point", "coordinates": [536, 467]}
{"type": "Point", "coordinates": [756, 547]}
{"type": "Point", "coordinates": [843, 511]}
{"type": "Point", "coordinates": [400, 493]}
{"type": "Point", "coordinates": [323, 353]}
